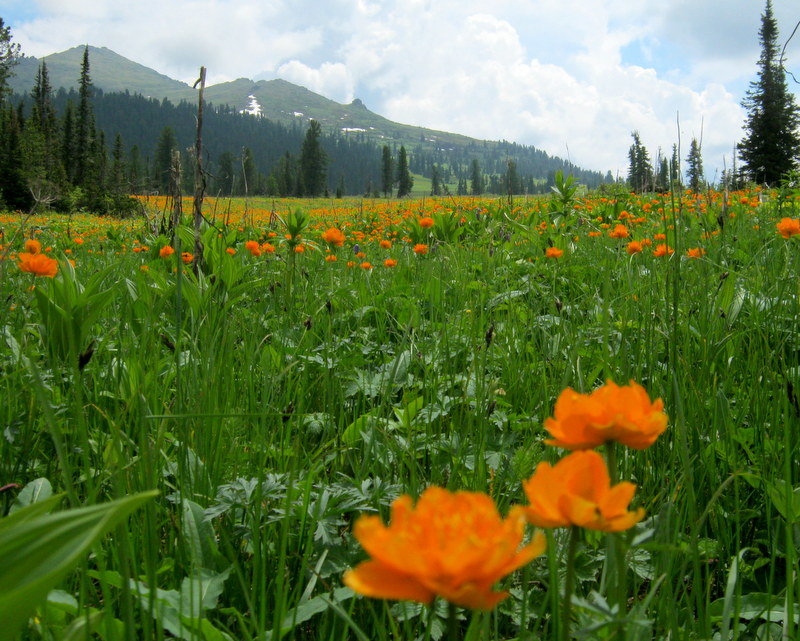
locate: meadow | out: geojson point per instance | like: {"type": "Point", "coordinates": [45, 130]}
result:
{"type": "Point", "coordinates": [293, 379]}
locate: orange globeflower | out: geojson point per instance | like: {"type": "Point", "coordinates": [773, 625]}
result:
{"type": "Point", "coordinates": [426, 222]}
{"type": "Point", "coordinates": [788, 227]}
{"type": "Point", "coordinates": [420, 249]}
{"type": "Point", "coordinates": [553, 252]}
{"type": "Point", "coordinates": [619, 231]}
{"type": "Point", "coordinates": [33, 246]}
{"type": "Point", "coordinates": [330, 258]}
{"type": "Point", "coordinates": [253, 247]}
{"type": "Point", "coordinates": [386, 244]}
{"type": "Point", "coordinates": [269, 249]}
{"type": "Point", "coordinates": [633, 247]}
{"type": "Point", "coordinates": [186, 257]}
{"type": "Point", "coordinates": [695, 252]}
{"type": "Point", "coordinates": [38, 264]}
{"type": "Point", "coordinates": [610, 413]}
{"type": "Point", "coordinates": [577, 491]}
{"type": "Point", "coordinates": [166, 251]}
{"type": "Point", "coordinates": [366, 265]}
{"type": "Point", "coordinates": [334, 237]}
{"type": "Point", "coordinates": [451, 544]}
{"type": "Point", "coordinates": [230, 250]}
{"type": "Point", "coordinates": [663, 250]}
{"type": "Point", "coordinates": [390, 262]}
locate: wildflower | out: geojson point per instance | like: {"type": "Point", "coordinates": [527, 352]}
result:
{"type": "Point", "coordinates": [33, 246]}
{"type": "Point", "coordinates": [77, 240]}
{"type": "Point", "coordinates": [610, 413]}
{"type": "Point", "coordinates": [299, 249]}
{"type": "Point", "coordinates": [695, 252]}
{"type": "Point", "coordinates": [426, 222]}
{"type": "Point", "coordinates": [144, 268]}
{"type": "Point", "coordinates": [619, 231]}
{"type": "Point", "coordinates": [451, 544]}
{"type": "Point", "coordinates": [267, 248]}
{"type": "Point", "coordinates": [663, 250]}
{"type": "Point", "coordinates": [660, 237]}
{"type": "Point", "coordinates": [788, 227]}
{"type": "Point", "coordinates": [253, 246]}
{"type": "Point", "coordinates": [365, 265]}
{"type": "Point", "coordinates": [553, 252]}
{"type": "Point", "coordinates": [361, 255]}
{"type": "Point", "coordinates": [186, 257]}
{"type": "Point", "coordinates": [230, 250]}
{"type": "Point", "coordinates": [330, 258]}
{"type": "Point", "coordinates": [577, 491]}
{"type": "Point", "coordinates": [166, 251]}
{"type": "Point", "coordinates": [386, 244]}
{"type": "Point", "coordinates": [334, 237]}
{"type": "Point", "coordinates": [420, 249]}
{"type": "Point", "coordinates": [37, 264]}
{"type": "Point", "coordinates": [595, 234]}
{"type": "Point", "coordinates": [390, 262]}
{"type": "Point", "coordinates": [633, 247]}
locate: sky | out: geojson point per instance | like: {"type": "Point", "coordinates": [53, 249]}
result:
{"type": "Point", "coordinates": [571, 77]}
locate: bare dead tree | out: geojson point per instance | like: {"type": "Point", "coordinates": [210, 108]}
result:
{"type": "Point", "coordinates": [175, 189]}
{"type": "Point", "coordinates": [199, 175]}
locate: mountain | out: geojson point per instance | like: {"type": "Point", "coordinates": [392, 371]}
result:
{"type": "Point", "coordinates": [289, 104]}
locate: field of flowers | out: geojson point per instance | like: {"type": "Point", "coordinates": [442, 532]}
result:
{"type": "Point", "coordinates": [458, 418]}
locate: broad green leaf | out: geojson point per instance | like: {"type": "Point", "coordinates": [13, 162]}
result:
{"type": "Point", "coordinates": [34, 492]}
{"type": "Point", "coordinates": [36, 553]}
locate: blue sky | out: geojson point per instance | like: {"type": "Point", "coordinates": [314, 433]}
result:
{"type": "Point", "coordinates": [575, 75]}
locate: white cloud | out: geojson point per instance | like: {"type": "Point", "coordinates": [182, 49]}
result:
{"type": "Point", "coordinates": [330, 79]}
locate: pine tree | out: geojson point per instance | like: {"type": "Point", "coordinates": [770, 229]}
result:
{"type": "Point", "coordinates": [387, 171]}
{"type": "Point", "coordinates": [476, 178]}
{"type": "Point", "coordinates": [772, 143]}
{"type": "Point", "coordinates": [640, 171]}
{"type": "Point", "coordinates": [313, 162]}
{"type": "Point", "coordinates": [117, 179]}
{"type": "Point", "coordinates": [694, 171]}
{"type": "Point", "coordinates": [436, 181]}
{"type": "Point", "coordinates": [512, 184]}
{"type": "Point", "coordinates": [9, 52]}
{"type": "Point", "coordinates": [404, 181]}
{"type": "Point", "coordinates": [84, 126]}
{"type": "Point", "coordinates": [162, 162]}
{"type": "Point", "coordinates": [674, 168]}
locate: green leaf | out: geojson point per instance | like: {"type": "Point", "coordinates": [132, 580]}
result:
{"type": "Point", "coordinates": [34, 492]}
{"type": "Point", "coordinates": [198, 533]}
{"type": "Point", "coordinates": [36, 553]}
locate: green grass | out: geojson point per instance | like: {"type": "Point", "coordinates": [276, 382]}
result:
{"type": "Point", "coordinates": [270, 417]}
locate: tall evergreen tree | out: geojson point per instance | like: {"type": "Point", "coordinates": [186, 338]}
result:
{"type": "Point", "coordinates": [512, 183]}
{"type": "Point", "coordinates": [84, 125]}
{"type": "Point", "coordinates": [404, 180]}
{"type": "Point", "coordinates": [476, 178]}
{"type": "Point", "coordinates": [313, 162]}
{"type": "Point", "coordinates": [694, 164]}
{"type": "Point", "coordinates": [9, 52]}
{"type": "Point", "coordinates": [162, 160]}
{"type": "Point", "coordinates": [640, 171]}
{"type": "Point", "coordinates": [772, 143]}
{"type": "Point", "coordinates": [674, 168]}
{"type": "Point", "coordinates": [436, 181]}
{"type": "Point", "coordinates": [387, 171]}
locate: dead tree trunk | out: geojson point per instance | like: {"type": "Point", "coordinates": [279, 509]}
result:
{"type": "Point", "coordinates": [175, 189]}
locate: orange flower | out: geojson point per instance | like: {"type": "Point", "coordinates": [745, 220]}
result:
{"type": "Point", "coordinates": [619, 231]}
{"type": "Point", "coordinates": [299, 249]}
{"type": "Point", "coordinates": [386, 244]}
{"type": "Point", "coordinates": [186, 257]}
{"type": "Point", "coordinates": [610, 413]}
{"type": "Point", "coordinates": [37, 264]}
{"type": "Point", "coordinates": [420, 249]}
{"type": "Point", "coordinates": [633, 247]}
{"type": "Point", "coordinates": [553, 252]}
{"type": "Point", "coordinates": [788, 227]}
{"type": "Point", "coordinates": [351, 263]}
{"type": "Point", "coordinates": [663, 250]}
{"type": "Point", "coordinates": [451, 544]}
{"type": "Point", "coordinates": [334, 237]}
{"type": "Point", "coordinates": [595, 234]}
{"type": "Point", "coordinates": [267, 248]}
{"type": "Point", "coordinates": [660, 237]}
{"type": "Point", "coordinates": [78, 240]}
{"type": "Point", "coordinates": [253, 247]}
{"type": "Point", "coordinates": [577, 491]}
{"type": "Point", "coordinates": [33, 246]}
{"type": "Point", "coordinates": [166, 251]}
{"type": "Point", "coordinates": [390, 262]}
{"type": "Point", "coordinates": [366, 265]}
{"type": "Point", "coordinates": [695, 252]}
{"type": "Point", "coordinates": [330, 258]}
{"type": "Point", "coordinates": [426, 222]}
{"type": "Point", "coordinates": [231, 251]}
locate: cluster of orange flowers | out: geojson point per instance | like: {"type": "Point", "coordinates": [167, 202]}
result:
{"type": "Point", "coordinates": [456, 545]}
{"type": "Point", "coordinates": [788, 227]}
{"type": "Point", "coordinates": [33, 261]}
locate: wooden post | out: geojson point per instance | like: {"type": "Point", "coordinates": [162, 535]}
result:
{"type": "Point", "coordinates": [199, 175]}
{"type": "Point", "coordinates": [175, 188]}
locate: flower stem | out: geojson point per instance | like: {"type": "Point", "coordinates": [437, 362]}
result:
{"type": "Point", "coordinates": [569, 582]}
{"type": "Point", "coordinates": [615, 570]}
{"type": "Point", "coordinates": [452, 622]}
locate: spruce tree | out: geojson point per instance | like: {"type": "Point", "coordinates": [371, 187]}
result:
{"type": "Point", "coordinates": [694, 171]}
{"type": "Point", "coordinates": [640, 171]}
{"type": "Point", "coordinates": [84, 126]}
{"type": "Point", "coordinates": [404, 180]}
{"type": "Point", "coordinates": [162, 162]}
{"type": "Point", "coordinates": [436, 181]}
{"type": "Point", "coordinates": [9, 52]}
{"type": "Point", "coordinates": [313, 162]}
{"type": "Point", "coordinates": [476, 178]}
{"type": "Point", "coordinates": [771, 144]}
